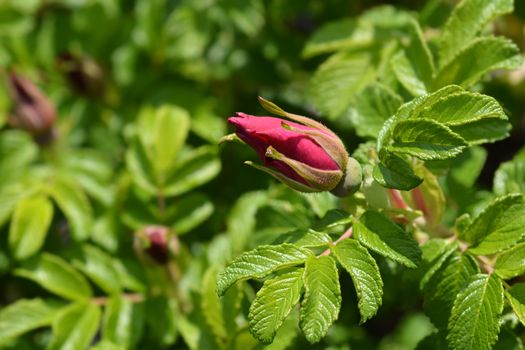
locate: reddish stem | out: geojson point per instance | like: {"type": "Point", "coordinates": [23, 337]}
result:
{"type": "Point", "coordinates": [346, 235]}
{"type": "Point", "coordinates": [397, 199]}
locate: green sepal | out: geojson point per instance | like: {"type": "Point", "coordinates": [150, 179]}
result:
{"type": "Point", "coordinates": [323, 180]}
{"type": "Point", "coordinates": [229, 138]}
{"type": "Point", "coordinates": [286, 180]}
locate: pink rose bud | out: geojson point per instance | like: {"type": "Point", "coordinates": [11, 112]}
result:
{"type": "Point", "coordinates": [303, 153]}
{"type": "Point", "coordinates": [32, 110]}
{"type": "Point", "coordinates": [157, 242]}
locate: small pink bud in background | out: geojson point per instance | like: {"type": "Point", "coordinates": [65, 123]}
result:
{"type": "Point", "coordinates": [302, 153]}
{"type": "Point", "coordinates": [157, 242]}
{"type": "Point", "coordinates": [32, 110]}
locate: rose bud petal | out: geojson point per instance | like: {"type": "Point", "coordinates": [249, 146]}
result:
{"type": "Point", "coordinates": [32, 110]}
{"type": "Point", "coordinates": [302, 153]}
{"type": "Point", "coordinates": [157, 242]}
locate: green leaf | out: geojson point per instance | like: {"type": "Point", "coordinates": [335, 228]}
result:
{"type": "Point", "coordinates": [511, 263]}
{"type": "Point", "coordinates": [305, 238]}
{"type": "Point", "coordinates": [444, 284]}
{"type": "Point", "coordinates": [99, 267]}
{"type": "Point", "coordinates": [378, 233]}
{"type": "Point", "coordinates": [273, 303]}
{"type": "Point", "coordinates": [434, 257]}
{"type": "Point", "coordinates": [365, 274]}
{"type": "Point", "coordinates": [338, 79]}
{"type": "Point", "coordinates": [169, 131]}
{"type": "Point", "coordinates": [395, 172]}
{"type": "Point", "coordinates": [190, 212]}
{"type": "Point", "coordinates": [415, 107]}
{"type": "Point", "coordinates": [510, 177]}
{"type": "Point", "coordinates": [500, 225]}
{"type": "Point", "coordinates": [429, 197]}
{"type": "Point", "coordinates": [140, 168]}
{"type": "Point", "coordinates": [106, 345]}
{"type": "Point", "coordinates": [372, 107]}
{"type": "Point", "coordinates": [260, 262]}
{"type": "Point", "coordinates": [425, 139]}
{"type": "Point", "coordinates": [75, 205]}
{"type": "Point", "coordinates": [474, 322]}
{"type": "Point", "coordinates": [414, 66]}
{"type": "Point", "coordinates": [161, 315]}
{"type": "Point", "coordinates": [212, 305]}
{"type": "Point", "coordinates": [491, 52]}
{"type": "Point", "coordinates": [322, 300]}
{"type": "Point", "coordinates": [375, 26]}
{"type": "Point", "coordinates": [516, 297]}
{"type": "Point", "coordinates": [193, 169]}
{"type": "Point", "coordinates": [76, 326]}
{"type": "Point", "coordinates": [55, 275]}
{"type": "Point", "coordinates": [25, 315]}
{"type": "Point", "coordinates": [123, 321]}
{"type": "Point", "coordinates": [465, 22]}
{"type": "Point", "coordinates": [29, 226]}
{"type": "Point", "coordinates": [241, 220]}
{"type": "Point", "coordinates": [475, 117]}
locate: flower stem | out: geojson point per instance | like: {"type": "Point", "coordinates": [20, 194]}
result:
{"type": "Point", "coordinates": [347, 234]}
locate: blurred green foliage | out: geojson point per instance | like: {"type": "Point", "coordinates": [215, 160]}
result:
{"type": "Point", "coordinates": [142, 89]}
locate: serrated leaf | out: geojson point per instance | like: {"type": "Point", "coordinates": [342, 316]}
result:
{"type": "Point", "coordinates": [194, 169]}
{"type": "Point", "coordinates": [365, 274]}
{"type": "Point", "coordinates": [444, 284]}
{"type": "Point", "coordinates": [25, 315]}
{"type": "Point", "coordinates": [123, 321]}
{"type": "Point", "coordinates": [29, 226]}
{"type": "Point", "coordinates": [55, 275]}
{"type": "Point", "coordinates": [465, 22]}
{"type": "Point", "coordinates": [474, 321]}
{"type": "Point", "coordinates": [492, 53]}
{"type": "Point", "coordinates": [395, 172]}
{"type": "Point", "coordinates": [99, 267]}
{"type": "Point", "coordinates": [425, 139]}
{"type": "Point", "coordinates": [475, 117]}
{"type": "Point", "coordinates": [413, 108]}
{"type": "Point", "coordinates": [511, 263]}
{"type": "Point", "coordinates": [75, 327]}
{"type": "Point", "coordinates": [75, 205]}
{"type": "Point", "coordinates": [510, 177]}
{"type": "Point", "coordinates": [378, 233]}
{"type": "Point", "coordinates": [406, 74]}
{"type": "Point", "coordinates": [273, 303]}
{"type": "Point", "coordinates": [338, 79]}
{"type": "Point", "coordinates": [322, 299]}
{"type": "Point", "coordinates": [372, 107]}
{"type": "Point", "coordinates": [500, 225]}
{"type": "Point", "coordinates": [305, 238]}
{"type": "Point", "coordinates": [260, 262]}
{"type": "Point", "coordinates": [516, 297]}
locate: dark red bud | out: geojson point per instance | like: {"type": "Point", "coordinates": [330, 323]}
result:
{"type": "Point", "coordinates": [32, 111]}
{"type": "Point", "coordinates": [157, 242]}
{"type": "Point", "coordinates": [84, 74]}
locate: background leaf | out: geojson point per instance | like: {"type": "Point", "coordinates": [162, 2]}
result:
{"type": "Point", "coordinates": [29, 226]}
{"type": "Point", "coordinates": [57, 276]}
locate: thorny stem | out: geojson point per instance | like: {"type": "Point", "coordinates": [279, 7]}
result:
{"type": "Point", "coordinates": [347, 234]}
{"type": "Point", "coordinates": [134, 298]}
